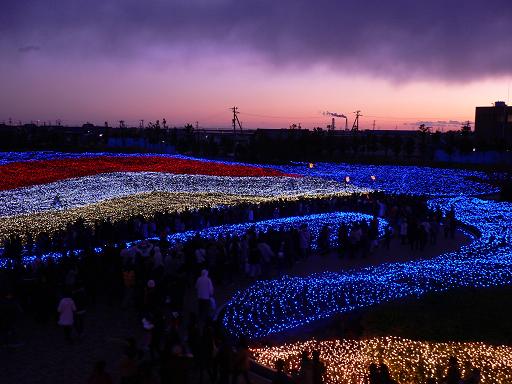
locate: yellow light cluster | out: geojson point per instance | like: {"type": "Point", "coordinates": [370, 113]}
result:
{"type": "Point", "coordinates": [347, 361]}
{"type": "Point", "coordinates": [122, 208]}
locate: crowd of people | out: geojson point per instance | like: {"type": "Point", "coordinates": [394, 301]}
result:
{"type": "Point", "coordinates": [313, 371]}
{"type": "Point", "coordinates": [79, 235]}
{"type": "Point", "coordinates": [154, 278]}
{"type": "Point", "coordinates": [451, 374]}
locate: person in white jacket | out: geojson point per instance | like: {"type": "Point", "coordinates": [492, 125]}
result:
{"type": "Point", "coordinates": [66, 309]}
{"type": "Point", "coordinates": [204, 288]}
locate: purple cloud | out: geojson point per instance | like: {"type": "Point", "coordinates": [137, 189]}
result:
{"type": "Point", "coordinates": [29, 48]}
{"type": "Point", "coordinates": [399, 40]}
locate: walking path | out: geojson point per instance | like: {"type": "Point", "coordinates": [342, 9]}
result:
{"type": "Point", "coordinates": [45, 358]}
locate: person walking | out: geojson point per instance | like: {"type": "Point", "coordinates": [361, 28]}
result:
{"type": "Point", "coordinates": [66, 309]}
{"type": "Point", "coordinates": [304, 241]}
{"type": "Point", "coordinates": [204, 288]}
{"type": "Point", "coordinates": [373, 374]}
{"type": "Point", "coordinates": [99, 375]}
{"type": "Point", "coordinates": [453, 375]}
{"type": "Point", "coordinates": [403, 232]}
{"type": "Point", "coordinates": [9, 313]}
{"type": "Point", "coordinates": [474, 377]}
{"type": "Point", "coordinates": [241, 363]}
{"type": "Point", "coordinates": [318, 368]}
{"type": "Point", "coordinates": [280, 377]}
{"type": "Point", "coordinates": [223, 360]}
{"type": "Point", "coordinates": [306, 369]}
{"type": "Point", "coordinates": [129, 284]}
{"type": "Point", "coordinates": [206, 355]}
{"type": "Point", "coordinates": [385, 375]}
{"type": "Point", "coordinates": [80, 299]}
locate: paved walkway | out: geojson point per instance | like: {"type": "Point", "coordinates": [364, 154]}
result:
{"type": "Point", "coordinates": [45, 358]}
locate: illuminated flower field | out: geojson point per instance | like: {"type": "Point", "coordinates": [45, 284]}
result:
{"type": "Point", "coordinates": [22, 174]}
{"type": "Point", "coordinates": [411, 180]}
{"type": "Point", "coordinates": [410, 361]}
{"type": "Point", "coordinates": [43, 192]}
{"type": "Point", "coordinates": [46, 191]}
{"type": "Point", "coordinates": [314, 222]}
{"type": "Point", "coordinates": [276, 305]}
{"type": "Point", "coordinates": [78, 192]}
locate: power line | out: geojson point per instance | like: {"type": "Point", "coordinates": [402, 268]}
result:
{"type": "Point", "coordinates": [235, 119]}
{"type": "Point", "coordinates": [355, 126]}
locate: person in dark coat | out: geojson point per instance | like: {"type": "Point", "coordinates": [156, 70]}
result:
{"type": "Point", "coordinates": [280, 377]}
{"type": "Point", "coordinates": [453, 375]}
{"type": "Point", "coordinates": [99, 375]}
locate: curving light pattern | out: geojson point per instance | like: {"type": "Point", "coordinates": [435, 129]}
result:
{"type": "Point", "coordinates": [28, 173]}
{"type": "Point", "coordinates": [118, 209]}
{"type": "Point", "coordinates": [390, 178]}
{"type": "Point", "coordinates": [275, 305]}
{"type": "Point", "coordinates": [78, 192]}
{"type": "Point", "coordinates": [314, 222]}
{"type": "Point", "coordinates": [412, 180]}
{"type": "Point", "coordinates": [409, 361]}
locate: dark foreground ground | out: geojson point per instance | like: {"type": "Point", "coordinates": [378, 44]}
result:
{"type": "Point", "coordinates": [44, 357]}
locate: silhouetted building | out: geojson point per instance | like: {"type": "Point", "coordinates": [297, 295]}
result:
{"type": "Point", "coordinates": [494, 123]}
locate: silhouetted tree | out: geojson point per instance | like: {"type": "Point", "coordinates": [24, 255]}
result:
{"type": "Point", "coordinates": [466, 128]}
{"type": "Point", "coordinates": [189, 128]}
{"type": "Point", "coordinates": [424, 129]}
{"type": "Point", "coordinates": [397, 145]}
{"type": "Point", "coordinates": [409, 146]}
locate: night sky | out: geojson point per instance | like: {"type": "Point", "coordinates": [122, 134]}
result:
{"type": "Point", "coordinates": [281, 61]}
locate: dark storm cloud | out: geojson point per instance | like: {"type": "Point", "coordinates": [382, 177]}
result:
{"type": "Point", "coordinates": [400, 40]}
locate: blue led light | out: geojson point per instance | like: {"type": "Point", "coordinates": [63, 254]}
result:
{"type": "Point", "coordinates": [390, 178]}
{"type": "Point", "coordinates": [314, 222]}
{"type": "Point", "coordinates": [411, 180]}
{"type": "Point", "coordinates": [276, 305]}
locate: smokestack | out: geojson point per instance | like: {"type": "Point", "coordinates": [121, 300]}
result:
{"type": "Point", "coordinates": [334, 114]}
{"type": "Point", "coordinates": [332, 125]}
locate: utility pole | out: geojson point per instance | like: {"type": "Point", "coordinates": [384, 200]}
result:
{"type": "Point", "coordinates": [235, 119]}
{"type": "Point", "coordinates": [355, 126]}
